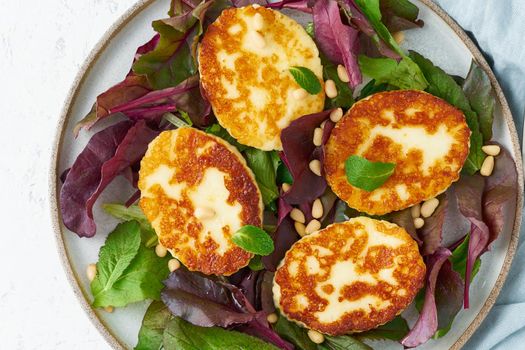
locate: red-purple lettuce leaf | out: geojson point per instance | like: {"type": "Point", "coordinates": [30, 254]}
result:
{"type": "Point", "coordinates": [147, 47]}
{"type": "Point", "coordinates": [283, 238]}
{"type": "Point", "coordinates": [427, 323]}
{"type": "Point", "coordinates": [283, 209]}
{"type": "Point", "coordinates": [432, 232]}
{"type": "Point", "coordinates": [249, 282]}
{"type": "Point", "coordinates": [399, 15]}
{"type": "Point", "coordinates": [501, 188]}
{"type": "Point", "coordinates": [183, 97]}
{"type": "Point", "coordinates": [108, 154]}
{"type": "Point", "coordinates": [171, 62]}
{"type": "Point", "coordinates": [179, 7]}
{"type": "Point", "coordinates": [259, 328]}
{"type": "Point", "coordinates": [300, 5]}
{"type": "Point", "coordinates": [469, 193]}
{"type": "Point", "coordinates": [204, 301]}
{"type": "Point", "coordinates": [298, 151]}
{"type": "Point", "coordinates": [335, 39]}
{"type": "Point", "coordinates": [449, 297]}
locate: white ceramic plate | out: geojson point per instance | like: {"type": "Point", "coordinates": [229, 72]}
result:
{"type": "Point", "coordinates": [441, 40]}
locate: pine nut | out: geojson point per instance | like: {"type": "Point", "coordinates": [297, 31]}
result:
{"type": "Point", "coordinates": [315, 167]}
{"type": "Point", "coordinates": [428, 207]}
{"type": "Point", "coordinates": [161, 250]}
{"type": "Point", "coordinates": [300, 228]}
{"type": "Point", "coordinates": [173, 265]}
{"type": "Point", "coordinates": [317, 209]}
{"type": "Point", "coordinates": [300, 94]}
{"type": "Point", "coordinates": [315, 336]}
{"type": "Point", "coordinates": [418, 223]}
{"type": "Point", "coordinates": [91, 272]}
{"type": "Point", "coordinates": [491, 150]}
{"type": "Point", "coordinates": [342, 74]}
{"type": "Point", "coordinates": [399, 37]}
{"type": "Point", "coordinates": [318, 136]}
{"type": "Point", "coordinates": [415, 211]}
{"type": "Point", "coordinates": [297, 215]}
{"type": "Point", "coordinates": [312, 226]}
{"type": "Point", "coordinates": [258, 40]}
{"type": "Point", "coordinates": [109, 309]}
{"type": "Point", "coordinates": [272, 318]}
{"type": "Point", "coordinates": [256, 6]}
{"type": "Point", "coordinates": [330, 89]}
{"type": "Point", "coordinates": [204, 213]}
{"type": "Point", "coordinates": [323, 124]}
{"type": "Point", "coordinates": [286, 187]}
{"type": "Point", "coordinates": [487, 167]}
{"type": "Point", "coordinates": [258, 21]}
{"type": "Point", "coordinates": [336, 115]}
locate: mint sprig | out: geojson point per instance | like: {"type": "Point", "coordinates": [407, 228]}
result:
{"type": "Point", "coordinates": [367, 175]}
{"type": "Point", "coordinates": [254, 240]}
{"type": "Point", "coordinates": [306, 79]}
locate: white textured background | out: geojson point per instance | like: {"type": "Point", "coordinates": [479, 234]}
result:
{"type": "Point", "coordinates": [42, 46]}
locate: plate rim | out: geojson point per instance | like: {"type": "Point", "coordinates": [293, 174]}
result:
{"type": "Point", "coordinates": [104, 42]}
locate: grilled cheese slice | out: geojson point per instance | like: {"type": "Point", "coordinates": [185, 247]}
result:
{"type": "Point", "coordinates": [244, 62]}
{"type": "Point", "coordinates": [349, 277]}
{"type": "Point", "coordinates": [427, 139]}
{"type": "Point", "coordinates": [197, 191]}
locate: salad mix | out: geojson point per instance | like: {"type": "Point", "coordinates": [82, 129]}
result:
{"type": "Point", "coordinates": [161, 92]}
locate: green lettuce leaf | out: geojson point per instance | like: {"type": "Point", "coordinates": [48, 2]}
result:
{"type": "Point", "coordinates": [264, 167]}
{"type": "Point", "coordinates": [182, 335]}
{"type": "Point", "coordinates": [127, 271]}
{"type": "Point", "coordinates": [296, 335]}
{"type": "Point", "coordinates": [152, 330]}
{"type": "Point", "coordinates": [404, 74]}
{"type": "Point", "coordinates": [444, 86]}
{"type": "Point", "coordinates": [133, 212]}
{"type": "Point", "coordinates": [343, 342]}
{"type": "Point", "coordinates": [396, 329]}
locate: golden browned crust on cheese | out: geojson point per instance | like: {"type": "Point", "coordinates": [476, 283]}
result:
{"type": "Point", "coordinates": [396, 109]}
{"type": "Point", "coordinates": [349, 242]}
{"type": "Point", "coordinates": [249, 70]}
{"type": "Point", "coordinates": [178, 149]}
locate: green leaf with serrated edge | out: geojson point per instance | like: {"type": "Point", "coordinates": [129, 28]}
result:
{"type": "Point", "coordinates": [306, 79]}
{"type": "Point", "coordinates": [133, 212]}
{"type": "Point", "coordinates": [404, 74]}
{"type": "Point", "coordinates": [444, 86]}
{"type": "Point", "coordinates": [254, 240]}
{"type": "Point", "coordinates": [478, 89]}
{"type": "Point", "coordinates": [115, 256]}
{"type": "Point", "coordinates": [153, 324]}
{"type": "Point", "coordinates": [367, 175]}
{"type": "Point", "coordinates": [182, 335]}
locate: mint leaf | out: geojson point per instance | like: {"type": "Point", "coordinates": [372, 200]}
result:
{"type": "Point", "coordinates": [264, 167]}
{"type": "Point", "coordinates": [254, 240]}
{"type": "Point", "coordinates": [444, 86]}
{"type": "Point", "coordinates": [367, 175]}
{"type": "Point", "coordinates": [182, 335]}
{"type": "Point", "coordinates": [127, 271]}
{"type": "Point", "coordinates": [404, 74]}
{"type": "Point", "coordinates": [306, 79]}
{"type": "Point", "coordinates": [122, 245]}
{"type": "Point", "coordinates": [152, 330]}
{"type": "Point", "coordinates": [133, 212]}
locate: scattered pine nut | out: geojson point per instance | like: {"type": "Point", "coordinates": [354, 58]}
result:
{"type": "Point", "coordinates": [258, 21]}
{"type": "Point", "coordinates": [399, 37]}
{"type": "Point", "coordinates": [315, 167]}
{"type": "Point", "coordinates": [272, 318]}
{"type": "Point", "coordinates": [330, 89]}
{"type": "Point", "coordinates": [342, 74]}
{"type": "Point", "coordinates": [286, 187]}
{"type": "Point", "coordinates": [323, 124]}
{"type": "Point", "coordinates": [300, 228]}
{"type": "Point", "coordinates": [312, 226]}
{"type": "Point", "coordinates": [109, 309]}
{"type": "Point", "coordinates": [161, 250]}
{"type": "Point", "coordinates": [297, 215]}
{"type": "Point", "coordinates": [415, 211]}
{"type": "Point", "coordinates": [256, 6]}
{"type": "Point", "coordinates": [428, 207]}
{"type": "Point", "coordinates": [418, 223]}
{"type": "Point", "coordinates": [318, 137]}
{"type": "Point", "coordinates": [315, 336]}
{"type": "Point", "coordinates": [91, 272]}
{"type": "Point", "coordinates": [173, 265]}
{"type": "Point", "coordinates": [491, 150]}
{"type": "Point", "coordinates": [336, 115]}
{"type": "Point", "coordinates": [300, 94]}
{"type": "Point", "coordinates": [317, 209]}
{"type": "Point", "coordinates": [487, 167]}
{"type": "Point", "coordinates": [258, 40]}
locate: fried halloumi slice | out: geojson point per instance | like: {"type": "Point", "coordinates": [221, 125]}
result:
{"type": "Point", "coordinates": [349, 277]}
{"type": "Point", "coordinates": [197, 191]}
{"type": "Point", "coordinates": [427, 139]}
{"type": "Point", "coordinates": [244, 61]}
